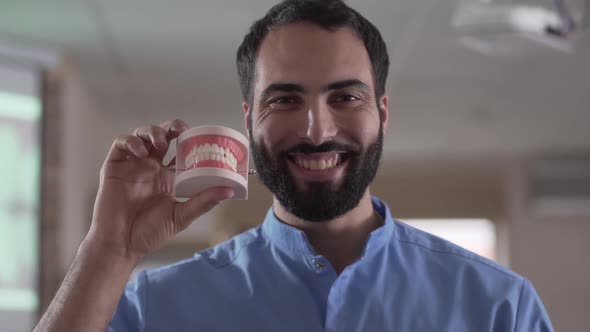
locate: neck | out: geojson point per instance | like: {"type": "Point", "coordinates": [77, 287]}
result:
{"type": "Point", "coordinates": [341, 240]}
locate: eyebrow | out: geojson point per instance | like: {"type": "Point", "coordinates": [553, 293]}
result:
{"type": "Point", "coordinates": [293, 87]}
{"type": "Point", "coordinates": [353, 83]}
{"type": "Point", "coordinates": [283, 87]}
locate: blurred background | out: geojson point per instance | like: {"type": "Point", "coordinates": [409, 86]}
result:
{"type": "Point", "coordinates": [488, 145]}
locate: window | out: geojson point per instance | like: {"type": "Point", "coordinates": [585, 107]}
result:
{"type": "Point", "coordinates": [20, 174]}
{"type": "Point", "coordinates": [476, 235]}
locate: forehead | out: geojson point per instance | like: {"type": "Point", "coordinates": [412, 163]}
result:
{"type": "Point", "coordinates": [307, 54]}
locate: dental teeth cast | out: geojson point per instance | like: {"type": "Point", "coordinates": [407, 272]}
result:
{"type": "Point", "coordinates": [211, 152]}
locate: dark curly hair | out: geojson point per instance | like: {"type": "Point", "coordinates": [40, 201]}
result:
{"type": "Point", "coordinates": [329, 14]}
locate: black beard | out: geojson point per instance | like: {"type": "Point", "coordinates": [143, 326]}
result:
{"type": "Point", "coordinates": [320, 202]}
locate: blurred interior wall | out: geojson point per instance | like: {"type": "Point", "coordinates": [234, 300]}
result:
{"type": "Point", "coordinates": [553, 253]}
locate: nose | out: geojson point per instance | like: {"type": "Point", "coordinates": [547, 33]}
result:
{"type": "Point", "coordinates": [320, 124]}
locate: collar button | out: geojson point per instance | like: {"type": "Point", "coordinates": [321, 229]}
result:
{"type": "Point", "coordinates": [318, 264]}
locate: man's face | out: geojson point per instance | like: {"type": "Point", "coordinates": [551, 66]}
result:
{"type": "Point", "coordinates": [315, 130]}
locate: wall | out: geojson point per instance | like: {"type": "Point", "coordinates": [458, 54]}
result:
{"type": "Point", "coordinates": [81, 125]}
{"type": "Point", "coordinates": [553, 253]}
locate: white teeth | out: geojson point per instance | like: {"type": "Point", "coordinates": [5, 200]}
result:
{"type": "Point", "coordinates": [211, 152]}
{"type": "Point", "coordinates": [317, 164]}
{"type": "Point", "coordinates": [313, 164]}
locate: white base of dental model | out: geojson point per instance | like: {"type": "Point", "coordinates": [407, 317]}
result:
{"type": "Point", "coordinates": [207, 156]}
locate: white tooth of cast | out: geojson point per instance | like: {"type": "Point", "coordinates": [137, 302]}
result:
{"type": "Point", "coordinates": [212, 152]}
{"type": "Point", "coordinates": [322, 164]}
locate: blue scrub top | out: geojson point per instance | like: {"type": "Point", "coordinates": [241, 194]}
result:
{"type": "Point", "coordinates": [270, 279]}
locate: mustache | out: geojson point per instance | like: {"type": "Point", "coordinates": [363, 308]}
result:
{"type": "Point", "coordinates": [324, 147]}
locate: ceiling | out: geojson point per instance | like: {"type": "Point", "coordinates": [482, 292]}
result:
{"type": "Point", "coordinates": [176, 58]}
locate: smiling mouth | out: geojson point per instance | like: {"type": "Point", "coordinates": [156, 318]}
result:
{"type": "Point", "coordinates": [318, 161]}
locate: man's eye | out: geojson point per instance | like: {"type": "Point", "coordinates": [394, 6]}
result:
{"type": "Point", "coordinates": [283, 100]}
{"type": "Point", "coordinates": [345, 98]}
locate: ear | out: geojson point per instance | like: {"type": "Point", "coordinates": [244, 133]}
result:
{"type": "Point", "coordinates": [246, 110]}
{"type": "Point", "coordinates": [384, 103]}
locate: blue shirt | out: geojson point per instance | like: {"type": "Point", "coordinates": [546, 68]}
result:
{"type": "Point", "coordinates": [270, 279]}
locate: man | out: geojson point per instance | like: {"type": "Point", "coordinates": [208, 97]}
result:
{"type": "Point", "coordinates": [328, 256]}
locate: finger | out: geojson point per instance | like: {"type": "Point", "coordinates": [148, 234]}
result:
{"type": "Point", "coordinates": [174, 127]}
{"type": "Point", "coordinates": [126, 145]}
{"type": "Point", "coordinates": [153, 134]}
{"type": "Point", "coordinates": [186, 212]}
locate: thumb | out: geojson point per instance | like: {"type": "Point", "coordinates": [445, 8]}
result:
{"type": "Point", "coordinates": [186, 212]}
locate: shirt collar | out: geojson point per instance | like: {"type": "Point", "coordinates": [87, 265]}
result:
{"type": "Point", "coordinates": [294, 242]}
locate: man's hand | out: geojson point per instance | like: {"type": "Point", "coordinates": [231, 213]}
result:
{"type": "Point", "coordinates": [135, 212]}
